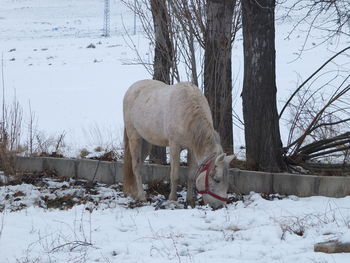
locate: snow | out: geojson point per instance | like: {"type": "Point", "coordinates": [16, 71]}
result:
{"type": "Point", "coordinates": [251, 230]}
{"type": "Point", "coordinates": [72, 89]}
{"type": "Point", "coordinates": [345, 238]}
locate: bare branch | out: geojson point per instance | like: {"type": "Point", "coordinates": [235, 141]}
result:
{"type": "Point", "coordinates": [310, 77]}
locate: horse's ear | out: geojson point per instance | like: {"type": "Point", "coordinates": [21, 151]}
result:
{"type": "Point", "coordinates": [229, 158]}
{"type": "Point", "coordinates": [220, 158]}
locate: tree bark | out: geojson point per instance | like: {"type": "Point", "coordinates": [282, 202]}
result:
{"type": "Point", "coordinates": [262, 133]}
{"type": "Point", "coordinates": [163, 56]}
{"type": "Point", "coordinates": [217, 67]}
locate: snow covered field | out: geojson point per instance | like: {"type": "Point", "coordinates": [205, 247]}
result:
{"type": "Point", "coordinates": [105, 229]}
{"type": "Point", "coordinates": [71, 88]}
{"type": "Point", "coordinates": [79, 90]}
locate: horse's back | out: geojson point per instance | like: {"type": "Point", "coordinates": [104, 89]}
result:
{"type": "Point", "coordinates": [143, 86]}
{"type": "Point", "coordinates": [156, 88]}
{"type": "Point", "coordinates": [158, 96]}
{"type": "Point", "coordinates": [159, 111]}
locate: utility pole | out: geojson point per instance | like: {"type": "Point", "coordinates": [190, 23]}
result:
{"type": "Point", "coordinates": [107, 19]}
{"type": "Point", "coordinates": [3, 96]}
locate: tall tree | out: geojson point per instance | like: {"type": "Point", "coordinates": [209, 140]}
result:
{"type": "Point", "coordinates": [217, 67]}
{"type": "Point", "coordinates": [163, 56]}
{"type": "Point", "coordinates": [262, 133]}
{"type": "Point", "coordinates": [163, 52]}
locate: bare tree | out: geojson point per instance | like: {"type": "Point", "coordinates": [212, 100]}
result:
{"type": "Point", "coordinates": [159, 29]}
{"type": "Point", "coordinates": [188, 28]}
{"type": "Point", "coordinates": [330, 17]}
{"type": "Point", "coordinates": [163, 58]}
{"type": "Point", "coordinates": [217, 67]}
{"type": "Point", "coordinates": [262, 134]}
{"type": "Point", "coordinates": [163, 52]}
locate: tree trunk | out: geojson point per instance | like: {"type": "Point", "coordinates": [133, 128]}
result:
{"type": "Point", "coordinates": [262, 134]}
{"type": "Point", "coordinates": [163, 56]}
{"type": "Point", "coordinates": [217, 67]}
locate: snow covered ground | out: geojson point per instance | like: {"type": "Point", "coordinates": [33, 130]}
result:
{"type": "Point", "coordinates": [71, 88]}
{"type": "Point", "coordinates": [103, 228]}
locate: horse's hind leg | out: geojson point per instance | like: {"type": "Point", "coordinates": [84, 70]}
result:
{"type": "Point", "coordinates": [174, 171]}
{"type": "Point", "coordinates": [136, 156]}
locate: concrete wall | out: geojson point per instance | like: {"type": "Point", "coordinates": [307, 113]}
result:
{"type": "Point", "coordinates": [241, 181]}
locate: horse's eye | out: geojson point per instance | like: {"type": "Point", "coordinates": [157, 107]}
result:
{"type": "Point", "coordinates": [216, 180]}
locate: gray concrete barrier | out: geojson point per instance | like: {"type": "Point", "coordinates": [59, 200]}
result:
{"type": "Point", "coordinates": [240, 181]}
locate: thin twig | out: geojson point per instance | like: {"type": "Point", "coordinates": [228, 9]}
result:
{"type": "Point", "coordinates": [73, 245]}
{"type": "Point", "coordinates": [310, 77]}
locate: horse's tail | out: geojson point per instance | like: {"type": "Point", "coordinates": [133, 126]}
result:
{"type": "Point", "coordinates": [128, 175]}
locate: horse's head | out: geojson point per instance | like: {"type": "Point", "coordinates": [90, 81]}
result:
{"type": "Point", "coordinates": [212, 181]}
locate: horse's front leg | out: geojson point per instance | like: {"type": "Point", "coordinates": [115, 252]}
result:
{"type": "Point", "coordinates": [191, 196]}
{"type": "Point", "coordinates": [174, 171]}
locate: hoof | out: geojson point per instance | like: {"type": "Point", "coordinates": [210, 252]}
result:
{"type": "Point", "coordinates": [191, 201]}
{"type": "Point", "coordinates": [191, 204]}
{"type": "Point", "coordinates": [173, 196]}
{"type": "Point", "coordinates": [138, 196]}
{"type": "Point", "coordinates": [141, 196]}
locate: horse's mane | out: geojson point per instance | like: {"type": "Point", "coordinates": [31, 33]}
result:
{"type": "Point", "coordinates": [199, 122]}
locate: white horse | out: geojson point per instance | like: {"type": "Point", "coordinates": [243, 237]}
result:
{"type": "Point", "coordinates": [177, 116]}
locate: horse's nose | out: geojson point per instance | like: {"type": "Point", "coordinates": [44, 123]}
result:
{"type": "Point", "coordinates": [217, 205]}
{"type": "Point", "coordinates": [212, 202]}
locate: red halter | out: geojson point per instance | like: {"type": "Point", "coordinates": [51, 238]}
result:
{"type": "Point", "coordinates": [205, 166]}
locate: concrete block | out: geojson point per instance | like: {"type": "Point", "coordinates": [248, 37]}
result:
{"type": "Point", "coordinates": [29, 164]}
{"type": "Point", "coordinates": [295, 184]}
{"type": "Point", "coordinates": [100, 171]}
{"type": "Point", "coordinates": [155, 172]}
{"type": "Point", "coordinates": [63, 167]}
{"type": "Point", "coordinates": [241, 181]}
{"type": "Point", "coordinates": [118, 167]}
{"type": "Point", "coordinates": [333, 186]}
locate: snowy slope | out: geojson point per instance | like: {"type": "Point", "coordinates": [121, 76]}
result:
{"type": "Point", "coordinates": [70, 87]}
{"type": "Point", "coordinates": [252, 230]}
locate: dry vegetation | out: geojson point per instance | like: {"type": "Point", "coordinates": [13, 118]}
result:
{"type": "Point", "coordinates": [319, 137]}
